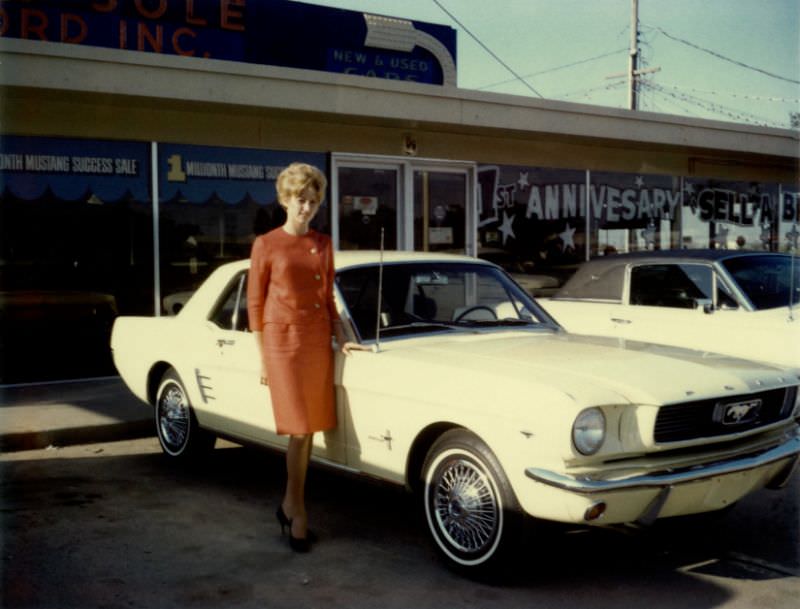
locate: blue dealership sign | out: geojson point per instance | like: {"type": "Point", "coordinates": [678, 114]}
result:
{"type": "Point", "coordinates": [74, 169]}
{"type": "Point", "coordinates": [269, 32]}
{"type": "Point", "coordinates": [200, 173]}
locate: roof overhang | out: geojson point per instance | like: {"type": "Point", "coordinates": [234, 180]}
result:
{"type": "Point", "coordinates": [172, 81]}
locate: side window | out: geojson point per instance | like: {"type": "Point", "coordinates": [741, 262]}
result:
{"type": "Point", "coordinates": [231, 312]}
{"type": "Point", "coordinates": [593, 283]}
{"type": "Point", "coordinates": [671, 285]}
{"type": "Point", "coordinates": [359, 289]}
{"type": "Point", "coordinates": [725, 297]}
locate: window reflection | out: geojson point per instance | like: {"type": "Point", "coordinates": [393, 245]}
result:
{"type": "Point", "coordinates": [67, 269]}
{"type": "Point", "coordinates": [367, 203]}
{"type": "Point", "coordinates": [439, 211]}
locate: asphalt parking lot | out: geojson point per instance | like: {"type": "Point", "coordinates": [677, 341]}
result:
{"type": "Point", "coordinates": [116, 524]}
{"type": "Point", "coordinates": [93, 515]}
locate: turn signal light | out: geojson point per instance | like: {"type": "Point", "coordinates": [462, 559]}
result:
{"type": "Point", "coordinates": [595, 511]}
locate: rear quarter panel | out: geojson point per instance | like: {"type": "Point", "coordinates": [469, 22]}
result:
{"type": "Point", "coordinates": [140, 343]}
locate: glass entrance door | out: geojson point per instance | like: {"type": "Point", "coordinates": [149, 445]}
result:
{"type": "Point", "coordinates": [367, 200]}
{"type": "Point", "coordinates": [440, 211]}
{"type": "Point", "coordinates": [422, 205]}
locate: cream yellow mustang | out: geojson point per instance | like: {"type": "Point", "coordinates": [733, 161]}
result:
{"type": "Point", "coordinates": [474, 397]}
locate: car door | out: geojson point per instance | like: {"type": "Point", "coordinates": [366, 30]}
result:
{"type": "Point", "coordinates": [679, 303]}
{"type": "Point", "coordinates": [229, 374]}
{"type": "Point", "coordinates": [373, 420]}
{"type": "Point", "coordinates": [242, 405]}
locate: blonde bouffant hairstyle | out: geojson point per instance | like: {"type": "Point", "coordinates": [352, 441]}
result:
{"type": "Point", "coordinates": [296, 178]}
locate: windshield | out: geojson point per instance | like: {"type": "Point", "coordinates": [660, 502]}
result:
{"type": "Point", "coordinates": [766, 279]}
{"type": "Point", "coordinates": [435, 297]}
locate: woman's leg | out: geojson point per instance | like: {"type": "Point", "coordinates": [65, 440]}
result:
{"type": "Point", "coordinates": [297, 457]}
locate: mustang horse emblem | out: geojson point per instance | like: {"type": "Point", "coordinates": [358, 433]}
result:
{"type": "Point", "coordinates": [741, 412]}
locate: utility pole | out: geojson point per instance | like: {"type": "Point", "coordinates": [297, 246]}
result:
{"type": "Point", "coordinates": [634, 72]}
{"type": "Point", "coordinates": [633, 61]}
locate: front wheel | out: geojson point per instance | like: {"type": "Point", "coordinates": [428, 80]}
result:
{"type": "Point", "coordinates": [176, 424]}
{"type": "Point", "coordinates": [470, 508]}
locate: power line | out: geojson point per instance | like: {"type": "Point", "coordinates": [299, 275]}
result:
{"type": "Point", "coordinates": [720, 56]}
{"type": "Point", "coordinates": [710, 106]}
{"type": "Point", "coordinates": [555, 69]}
{"type": "Point", "coordinates": [585, 92]}
{"type": "Point", "coordinates": [714, 107]}
{"type": "Point", "coordinates": [487, 49]}
{"type": "Point", "coordinates": [730, 94]}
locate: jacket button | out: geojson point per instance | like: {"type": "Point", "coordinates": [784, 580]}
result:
{"type": "Point", "coordinates": [313, 250]}
{"type": "Point", "coordinates": [317, 277]}
{"type": "Point", "coordinates": [316, 305]}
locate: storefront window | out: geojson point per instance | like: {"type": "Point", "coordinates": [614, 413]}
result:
{"type": "Point", "coordinates": [789, 225]}
{"type": "Point", "coordinates": [532, 222]}
{"type": "Point", "coordinates": [730, 215]}
{"type": "Point", "coordinates": [633, 212]}
{"type": "Point", "coordinates": [196, 238]}
{"type": "Point", "coordinates": [214, 201]}
{"type": "Point", "coordinates": [439, 211]}
{"type": "Point", "coordinates": [77, 250]}
{"type": "Point", "coordinates": [367, 203]}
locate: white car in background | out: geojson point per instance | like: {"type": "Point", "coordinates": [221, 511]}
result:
{"type": "Point", "coordinates": [719, 301]}
{"type": "Point", "coordinates": [476, 399]}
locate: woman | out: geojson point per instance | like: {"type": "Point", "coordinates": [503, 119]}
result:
{"type": "Point", "coordinates": [293, 316]}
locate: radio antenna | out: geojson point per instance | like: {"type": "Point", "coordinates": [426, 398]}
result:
{"type": "Point", "coordinates": [380, 299]}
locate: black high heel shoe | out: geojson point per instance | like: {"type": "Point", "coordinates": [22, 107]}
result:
{"type": "Point", "coordinates": [283, 520]}
{"type": "Point", "coordinates": [298, 544]}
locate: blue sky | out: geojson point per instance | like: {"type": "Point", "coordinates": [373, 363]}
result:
{"type": "Point", "coordinates": [537, 38]}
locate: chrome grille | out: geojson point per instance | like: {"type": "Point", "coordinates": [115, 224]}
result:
{"type": "Point", "coordinates": [719, 417]}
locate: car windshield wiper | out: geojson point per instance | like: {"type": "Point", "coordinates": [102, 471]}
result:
{"type": "Point", "coordinates": [498, 323]}
{"type": "Point", "coordinates": [421, 326]}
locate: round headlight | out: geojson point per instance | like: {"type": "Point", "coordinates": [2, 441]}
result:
{"type": "Point", "coordinates": [589, 431]}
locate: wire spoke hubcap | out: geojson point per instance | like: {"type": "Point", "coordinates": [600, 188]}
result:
{"type": "Point", "coordinates": [173, 417]}
{"type": "Point", "coordinates": [465, 506]}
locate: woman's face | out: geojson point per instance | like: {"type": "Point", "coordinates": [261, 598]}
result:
{"type": "Point", "coordinates": [302, 207]}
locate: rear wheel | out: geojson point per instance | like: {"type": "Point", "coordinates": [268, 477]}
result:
{"type": "Point", "coordinates": [470, 509]}
{"type": "Point", "coordinates": [176, 424]}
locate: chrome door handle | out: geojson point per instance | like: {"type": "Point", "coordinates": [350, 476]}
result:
{"type": "Point", "coordinates": [619, 320]}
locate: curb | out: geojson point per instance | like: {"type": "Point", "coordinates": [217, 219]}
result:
{"type": "Point", "coordinates": [69, 412]}
{"type": "Point", "coordinates": [112, 432]}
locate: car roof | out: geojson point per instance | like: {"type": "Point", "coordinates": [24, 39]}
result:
{"type": "Point", "coordinates": [353, 258]}
{"type": "Point", "coordinates": [603, 278]}
{"type": "Point", "coordinates": [689, 255]}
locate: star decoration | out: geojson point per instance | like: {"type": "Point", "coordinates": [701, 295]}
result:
{"type": "Point", "coordinates": [507, 227]}
{"type": "Point", "coordinates": [523, 180]}
{"type": "Point", "coordinates": [568, 238]}
{"type": "Point", "coordinates": [639, 181]}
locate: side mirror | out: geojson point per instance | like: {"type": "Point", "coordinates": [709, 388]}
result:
{"type": "Point", "coordinates": [704, 303]}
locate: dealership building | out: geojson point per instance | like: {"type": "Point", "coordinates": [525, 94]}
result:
{"type": "Point", "coordinates": [140, 142]}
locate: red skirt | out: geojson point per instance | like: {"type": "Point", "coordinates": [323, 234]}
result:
{"type": "Point", "coordinates": [299, 362]}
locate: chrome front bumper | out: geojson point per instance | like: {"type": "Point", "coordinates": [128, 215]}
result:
{"type": "Point", "coordinates": [587, 485]}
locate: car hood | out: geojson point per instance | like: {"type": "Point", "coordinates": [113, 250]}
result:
{"type": "Point", "coordinates": [589, 368]}
{"type": "Point", "coordinates": [782, 314]}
